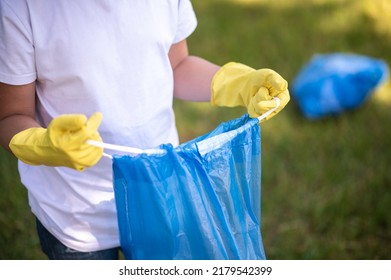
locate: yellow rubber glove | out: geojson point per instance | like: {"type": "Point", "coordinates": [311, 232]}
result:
{"type": "Point", "coordinates": [63, 143]}
{"type": "Point", "coordinates": [236, 84]}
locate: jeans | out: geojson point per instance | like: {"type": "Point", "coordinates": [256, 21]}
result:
{"type": "Point", "coordinates": [55, 250]}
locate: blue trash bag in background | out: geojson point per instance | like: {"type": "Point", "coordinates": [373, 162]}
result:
{"type": "Point", "coordinates": [200, 200]}
{"type": "Point", "coordinates": [333, 83]}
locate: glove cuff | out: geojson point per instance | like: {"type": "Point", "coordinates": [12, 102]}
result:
{"type": "Point", "coordinates": [26, 145]}
{"type": "Point", "coordinates": [228, 83]}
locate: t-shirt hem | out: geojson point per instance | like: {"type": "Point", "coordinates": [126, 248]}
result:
{"type": "Point", "coordinates": [17, 81]}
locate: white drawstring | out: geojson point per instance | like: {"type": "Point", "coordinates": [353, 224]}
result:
{"type": "Point", "coordinates": [123, 148]}
{"type": "Point", "coordinates": [157, 151]}
{"type": "Point", "coordinates": [266, 114]}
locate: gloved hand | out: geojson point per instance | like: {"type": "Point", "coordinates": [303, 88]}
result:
{"type": "Point", "coordinates": [63, 143]}
{"type": "Point", "coordinates": [236, 84]}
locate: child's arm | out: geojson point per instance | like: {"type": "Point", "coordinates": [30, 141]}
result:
{"type": "Point", "coordinates": [63, 143]}
{"type": "Point", "coordinates": [192, 75]}
{"type": "Point", "coordinates": [234, 84]}
{"type": "Point", "coordinates": [17, 110]}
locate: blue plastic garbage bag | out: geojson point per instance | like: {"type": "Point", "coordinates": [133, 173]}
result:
{"type": "Point", "coordinates": [200, 200]}
{"type": "Point", "coordinates": [333, 83]}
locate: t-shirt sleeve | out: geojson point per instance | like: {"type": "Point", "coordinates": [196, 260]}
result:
{"type": "Point", "coordinates": [17, 63]}
{"type": "Point", "coordinates": [187, 21]}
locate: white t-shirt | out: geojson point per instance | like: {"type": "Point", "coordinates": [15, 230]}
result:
{"type": "Point", "coordinates": [109, 56]}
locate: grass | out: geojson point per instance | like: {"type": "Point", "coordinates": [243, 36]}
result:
{"type": "Point", "coordinates": [326, 185]}
{"type": "Point", "coordinates": [18, 239]}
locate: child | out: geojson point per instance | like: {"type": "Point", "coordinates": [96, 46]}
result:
{"type": "Point", "coordinates": [121, 63]}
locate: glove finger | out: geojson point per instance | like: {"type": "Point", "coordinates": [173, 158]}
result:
{"type": "Point", "coordinates": [94, 121]}
{"type": "Point", "coordinates": [257, 108]}
{"type": "Point", "coordinates": [70, 122]}
{"type": "Point", "coordinates": [261, 95]}
{"type": "Point", "coordinates": [93, 124]}
{"type": "Point", "coordinates": [284, 98]}
{"type": "Point", "coordinates": [278, 83]}
{"type": "Point", "coordinates": [264, 106]}
{"type": "Point", "coordinates": [94, 153]}
{"type": "Point", "coordinates": [268, 105]}
{"type": "Point", "coordinates": [89, 156]}
{"type": "Point", "coordinates": [85, 155]}
{"type": "Point", "coordinates": [274, 82]}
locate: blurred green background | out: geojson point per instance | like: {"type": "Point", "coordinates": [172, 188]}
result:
{"type": "Point", "coordinates": [326, 184]}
